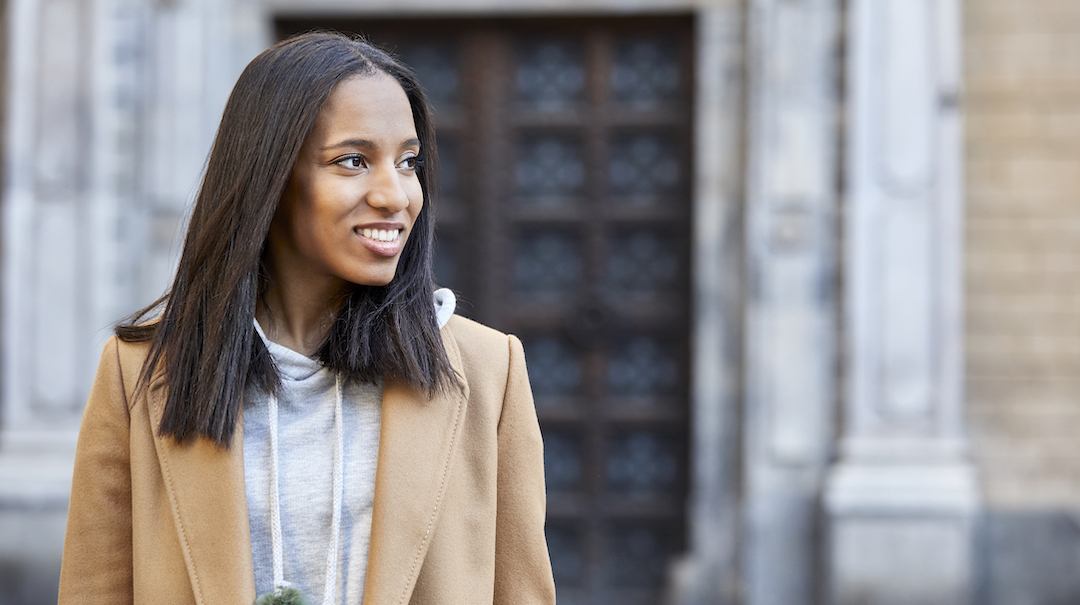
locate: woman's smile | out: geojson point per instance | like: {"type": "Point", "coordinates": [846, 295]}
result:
{"type": "Point", "coordinates": [384, 240]}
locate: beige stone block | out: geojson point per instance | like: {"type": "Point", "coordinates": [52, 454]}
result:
{"type": "Point", "coordinates": [989, 320]}
{"type": "Point", "coordinates": [1061, 303]}
{"type": "Point", "coordinates": [1024, 490]}
{"type": "Point", "coordinates": [1030, 236]}
{"type": "Point", "coordinates": [1020, 92]}
{"type": "Point", "coordinates": [1045, 175]}
{"type": "Point", "coordinates": [1023, 439]}
{"type": "Point", "coordinates": [990, 393]}
{"type": "Point", "coordinates": [1029, 344]}
{"type": "Point", "coordinates": [1022, 54]}
{"type": "Point", "coordinates": [1022, 356]}
{"type": "Point", "coordinates": [1020, 16]}
{"type": "Point", "coordinates": [1038, 438]}
{"type": "Point", "coordinates": [988, 204]}
{"type": "Point", "coordinates": [1023, 134]}
{"type": "Point", "coordinates": [1048, 284]}
{"type": "Point", "coordinates": [1011, 265]}
{"type": "Point", "coordinates": [1041, 473]}
{"type": "Point", "coordinates": [1048, 430]}
{"type": "Point", "coordinates": [1038, 222]}
{"type": "Point", "coordinates": [1004, 17]}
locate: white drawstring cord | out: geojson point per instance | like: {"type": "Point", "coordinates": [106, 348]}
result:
{"type": "Point", "coordinates": [329, 592]}
{"type": "Point", "coordinates": [339, 489]}
{"type": "Point", "coordinates": [275, 505]}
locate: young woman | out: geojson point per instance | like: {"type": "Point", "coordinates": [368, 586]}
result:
{"type": "Point", "coordinates": [306, 420]}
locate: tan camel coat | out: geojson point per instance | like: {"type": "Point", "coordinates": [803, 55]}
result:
{"type": "Point", "coordinates": [459, 493]}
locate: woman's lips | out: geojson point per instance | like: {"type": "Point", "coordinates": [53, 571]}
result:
{"type": "Point", "coordinates": [384, 242]}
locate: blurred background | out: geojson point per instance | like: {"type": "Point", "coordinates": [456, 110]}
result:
{"type": "Point", "coordinates": [797, 279]}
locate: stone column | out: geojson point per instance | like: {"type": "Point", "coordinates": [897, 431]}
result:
{"type": "Point", "coordinates": [111, 106]}
{"type": "Point", "coordinates": [65, 157]}
{"type": "Point", "coordinates": [902, 497]}
{"type": "Point", "coordinates": [790, 327]}
{"type": "Point", "coordinates": [709, 573]}
{"type": "Point", "coordinates": [47, 268]}
{"type": "Point", "coordinates": [112, 109]}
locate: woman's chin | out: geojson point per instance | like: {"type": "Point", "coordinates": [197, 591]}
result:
{"type": "Point", "coordinates": [375, 281]}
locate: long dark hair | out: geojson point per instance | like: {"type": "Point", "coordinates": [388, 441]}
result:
{"type": "Point", "coordinates": [205, 338]}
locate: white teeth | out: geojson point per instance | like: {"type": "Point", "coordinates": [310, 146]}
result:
{"type": "Point", "coordinates": [381, 235]}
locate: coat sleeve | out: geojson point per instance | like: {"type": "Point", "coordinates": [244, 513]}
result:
{"type": "Point", "coordinates": [522, 568]}
{"type": "Point", "coordinates": [97, 563]}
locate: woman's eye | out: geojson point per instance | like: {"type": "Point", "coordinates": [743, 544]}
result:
{"type": "Point", "coordinates": [353, 161]}
{"type": "Point", "coordinates": [410, 163]}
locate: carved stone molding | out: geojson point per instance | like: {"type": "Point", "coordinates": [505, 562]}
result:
{"type": "Point", "coordinates": [902, 497]}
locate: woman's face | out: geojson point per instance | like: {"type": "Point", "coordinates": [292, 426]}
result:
{"type": "Point", "coordinates": [354, 193]}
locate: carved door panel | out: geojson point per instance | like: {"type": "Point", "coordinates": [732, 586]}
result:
{"type": "Point", "coordinates": [564, 218]}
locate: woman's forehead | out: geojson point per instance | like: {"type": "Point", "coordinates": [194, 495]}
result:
{"type": "Point", "coordinates": [364, 111]}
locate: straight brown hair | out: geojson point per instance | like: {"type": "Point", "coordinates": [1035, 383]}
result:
{"type": "Point", "coordinates": [205, 341]}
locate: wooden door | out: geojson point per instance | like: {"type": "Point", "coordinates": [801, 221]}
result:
{"type": "Point", "coordinates": [564, 218]}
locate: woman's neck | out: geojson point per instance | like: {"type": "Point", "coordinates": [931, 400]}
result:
{"type": "Point", "coordinates": [298, 316]}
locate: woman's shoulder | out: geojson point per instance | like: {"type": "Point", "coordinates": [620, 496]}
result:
{"type": "Point", "coordinates": [130, 351]}
{"type": "Point", "coordinates": [127, 356]}
{"type": "Point", "coordinates": [469, 333]}
{"type": "Point", "coordinates": [117, 376]}
{"type": "Point", "coordinates": [481, 347]}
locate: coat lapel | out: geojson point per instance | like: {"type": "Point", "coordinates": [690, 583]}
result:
{"type": "Point", "coordinates": [205, 485]}
{"type": "Point", "coordinates": [417, 439]}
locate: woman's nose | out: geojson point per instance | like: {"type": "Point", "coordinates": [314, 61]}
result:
{"type": "Point", "coordinates": [387, 190]}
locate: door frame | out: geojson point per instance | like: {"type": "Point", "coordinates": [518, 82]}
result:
{"type": "Point", "coordinates": [709, 569]}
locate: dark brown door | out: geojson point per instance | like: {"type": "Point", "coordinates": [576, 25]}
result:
{"type": "Point", "coordinates": [564, 218]}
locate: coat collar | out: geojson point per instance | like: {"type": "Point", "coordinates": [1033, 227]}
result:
{"type": "Point", "coordinates": [205, 486]}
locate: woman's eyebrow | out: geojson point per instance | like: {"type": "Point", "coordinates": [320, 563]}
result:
{"type": "Point", "coordinates": [362, 143]}
{"type": "Point", "coordinates": [366, 144]}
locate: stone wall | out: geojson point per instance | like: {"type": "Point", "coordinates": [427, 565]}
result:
{"type": "Point", "coordinates": [1023, 249]}
{"type": "Point", "coordinates": [1022, 103]}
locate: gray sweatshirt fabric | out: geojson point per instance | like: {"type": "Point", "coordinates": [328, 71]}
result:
{"type": "Point", "coordinates": [305, 466]}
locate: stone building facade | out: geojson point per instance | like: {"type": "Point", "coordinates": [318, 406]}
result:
{"type": "Point", "coordinates": [1022, 103]}
{"type": "Point", "coordinates": [871, 391]}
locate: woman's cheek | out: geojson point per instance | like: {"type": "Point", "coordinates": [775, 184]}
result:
{"type": "Point", "coordinates": [416, 198]}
